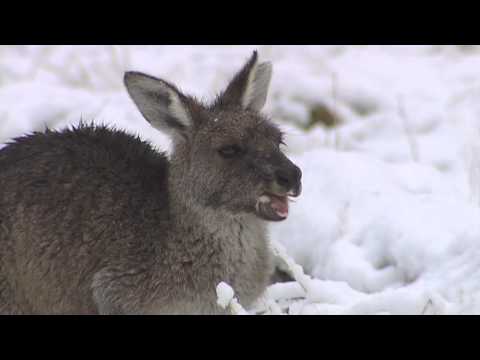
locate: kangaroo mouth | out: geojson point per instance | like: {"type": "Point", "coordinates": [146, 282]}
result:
{"type": "Point", "coordinates": [273, 207]}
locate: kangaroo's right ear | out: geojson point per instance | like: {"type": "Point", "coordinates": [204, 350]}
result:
{"type": "Point", "coordinates": [249, 87]}
{"type": "Point", "coordinates": [160, 102]}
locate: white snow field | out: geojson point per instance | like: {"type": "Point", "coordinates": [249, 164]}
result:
{"type": "Point", "coordinates": [389, 218]}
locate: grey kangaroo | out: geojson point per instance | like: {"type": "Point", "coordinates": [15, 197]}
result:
{"type": "Point", "coordinates": [95, 221]}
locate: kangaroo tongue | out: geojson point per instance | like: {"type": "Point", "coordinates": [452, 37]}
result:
{"type": "Point", "coordinates": [279, 204]}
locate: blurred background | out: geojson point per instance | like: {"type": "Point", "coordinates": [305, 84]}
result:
{"type": "Point", "coordinates": [387, 138]}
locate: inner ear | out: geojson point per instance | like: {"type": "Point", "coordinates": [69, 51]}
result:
{"type": "Point", "coordinates": [160, 102]}
{"type": "Point", "coordinates": [256, 89]}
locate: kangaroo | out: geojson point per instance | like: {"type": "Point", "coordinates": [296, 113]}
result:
{"type": "Point", "coordinates": [96, 221]}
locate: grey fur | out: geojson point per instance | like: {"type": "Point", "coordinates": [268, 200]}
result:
{"type": "Point", "coordinates": [95, 221]}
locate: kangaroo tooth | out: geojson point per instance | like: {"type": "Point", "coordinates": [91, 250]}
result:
{"type": "Point", "coordinates": [264, 199]}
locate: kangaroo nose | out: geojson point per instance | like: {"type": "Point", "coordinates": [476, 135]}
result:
{"type": "Point", "coordinates": [289, 179]}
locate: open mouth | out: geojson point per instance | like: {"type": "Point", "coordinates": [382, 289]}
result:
{"type": "Point", "coordinates": [273, 207]}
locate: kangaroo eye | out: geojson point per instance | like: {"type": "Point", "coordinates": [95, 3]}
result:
{"type": "Point", "coordinates": [230, 151]}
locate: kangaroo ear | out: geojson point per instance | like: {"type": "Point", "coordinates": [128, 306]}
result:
{"type": "Point", "coordinates": [160, 102]}
{"type": "Point", "coordinates": [249, 87]}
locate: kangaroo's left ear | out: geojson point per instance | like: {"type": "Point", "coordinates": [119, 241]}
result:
{"type": "Point", "coordinates": [249, 87]}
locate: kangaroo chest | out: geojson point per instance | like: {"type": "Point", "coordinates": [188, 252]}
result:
{"type": "Point", "coordinates": [237, 254]}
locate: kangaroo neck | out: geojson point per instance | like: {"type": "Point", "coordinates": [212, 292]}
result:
{"type": "Point", "coordinates": [194, 220]}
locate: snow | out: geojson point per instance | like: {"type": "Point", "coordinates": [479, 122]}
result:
{"type": "Point", "coordinates": [226, 299]}
{"type": "Point", "coordinates": [388, 221]}
{"type": "Point", "coordinates": [225, 294]}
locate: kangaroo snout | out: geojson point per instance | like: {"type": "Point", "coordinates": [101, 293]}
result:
{"type": "Point", "coordinates": [273, 204]}
{"type": "Point", "coordinates": [289, 178]}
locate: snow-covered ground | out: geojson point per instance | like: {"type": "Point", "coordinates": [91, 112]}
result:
{"type": "Point", "coordinates": [389, 218]}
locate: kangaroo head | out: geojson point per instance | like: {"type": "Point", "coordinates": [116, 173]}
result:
{"type": "Point", "coordinates": [225, 154]}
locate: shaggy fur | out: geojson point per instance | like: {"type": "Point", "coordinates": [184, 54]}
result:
{"type": "Point", "coordinates": [95, 221]}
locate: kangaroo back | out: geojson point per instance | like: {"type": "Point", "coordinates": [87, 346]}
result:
{"type": "Point", "coordinates": [70, 202]}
